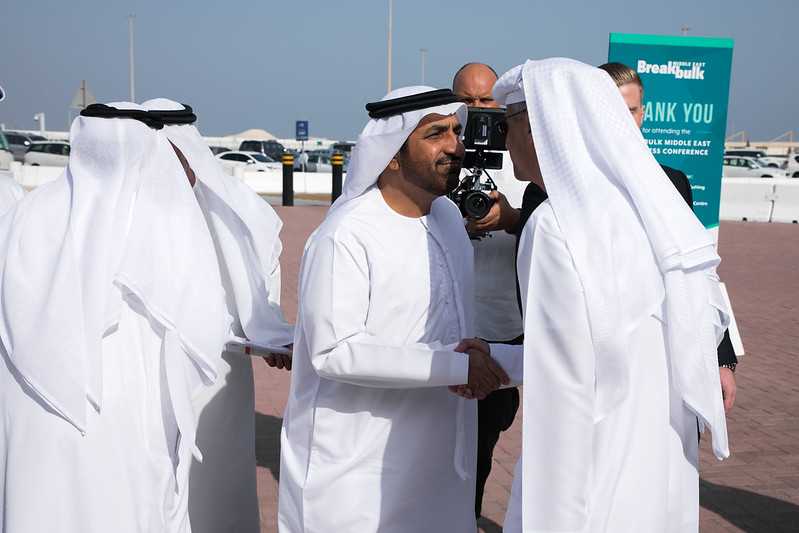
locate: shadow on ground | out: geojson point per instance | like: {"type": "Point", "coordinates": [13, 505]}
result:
{"type": "Point", "coordinates": [748, 510]}
{"type": "Point", "coordinates": [743, 509]}
{"type": "Point", "coordinates": [267, 442]}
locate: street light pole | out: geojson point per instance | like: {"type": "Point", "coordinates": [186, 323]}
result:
{"type": "Point", "coordinates": [423, 52]}
{"type": "Point", "coordinates": [390, 28]}
{"type": "Point", "coordinates": [39, 117]}
{"type": "Point", "coordinates": [131, 73]}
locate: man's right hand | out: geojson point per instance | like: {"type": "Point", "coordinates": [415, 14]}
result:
{"type": "Point", "coordinates": [485, 375]}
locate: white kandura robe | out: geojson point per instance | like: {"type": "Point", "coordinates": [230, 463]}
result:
{"type": "Point", "coordinates": [10, 192]}
{"type": "Point", "coordinates": [108, 446]}
{"type": "Point", "coordinates": [635, 470]}
{"type": "Point", "coordinates": [120, 476]}
{"type": "Point", "coordinates": [372, 438]}
{"type": "Point", "coordinates": [223, 494]}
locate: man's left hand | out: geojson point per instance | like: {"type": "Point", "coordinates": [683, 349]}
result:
{"type": "Point", "coordinates": [501, 216]}
{"type": "Point", "coordinates": [728, 387]}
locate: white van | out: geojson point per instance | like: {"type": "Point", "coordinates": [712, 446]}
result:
{"type": "Point", "coordinates": [47, 154]}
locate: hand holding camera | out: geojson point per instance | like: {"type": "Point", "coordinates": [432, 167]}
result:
{"type": "Point", "coordinates": [484, 138]}
{"type": "Point", "coordinates": [501, 216]}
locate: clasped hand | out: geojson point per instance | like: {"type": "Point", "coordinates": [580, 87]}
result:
{"type": "Point", "coordinates": [485, 374]}
{"type": "Point", "coordinates": [280, 360]}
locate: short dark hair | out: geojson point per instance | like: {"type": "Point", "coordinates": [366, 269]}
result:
{"type": "Point", "coordinates": [622, 74]}
{"type": "Point", "coordinates": [455, 77]}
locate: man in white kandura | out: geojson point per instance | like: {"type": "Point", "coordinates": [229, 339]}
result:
{"type": "Point", "coordinates": [223, 493]}
{"type": "Point", "coordinates": [622, 316]}
{"type": "Point", "coordinates": [114, 318]}
{"type": "Point", "coordinates": [372, 438]}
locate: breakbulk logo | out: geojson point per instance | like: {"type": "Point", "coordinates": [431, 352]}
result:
{"type": "Point", "coordinates": [682, 70]}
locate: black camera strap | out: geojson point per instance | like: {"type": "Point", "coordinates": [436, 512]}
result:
{"type": "Point", "coordinates": [414, 102]}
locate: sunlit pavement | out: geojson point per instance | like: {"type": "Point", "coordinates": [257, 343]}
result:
{"type": "Point", "coordinates": [757, 489]}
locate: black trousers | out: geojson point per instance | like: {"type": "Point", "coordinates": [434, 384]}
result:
{"type": "Point", "coordinates": [495, 414]}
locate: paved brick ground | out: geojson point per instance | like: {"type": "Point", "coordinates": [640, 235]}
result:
{"type": "Point", "coordinates": [757, 489]}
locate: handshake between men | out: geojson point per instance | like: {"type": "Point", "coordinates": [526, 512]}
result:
{"type": "Point", "coordinates": [485, 374]}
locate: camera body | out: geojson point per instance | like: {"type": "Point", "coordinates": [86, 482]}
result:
{"type": "Point", "coordinates": [484, 138]}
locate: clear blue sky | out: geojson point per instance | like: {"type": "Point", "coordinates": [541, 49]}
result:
{"type": "Point", "coordinates": [266, 64]}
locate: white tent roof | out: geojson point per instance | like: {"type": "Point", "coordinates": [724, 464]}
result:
{"type": "Point", "coordinates": [254, 134]}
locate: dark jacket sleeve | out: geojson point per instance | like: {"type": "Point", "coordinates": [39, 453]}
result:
{"type": "Point", "coordinates": [680, 181]}
{"type": "Point", "coordinates": [726, 352]}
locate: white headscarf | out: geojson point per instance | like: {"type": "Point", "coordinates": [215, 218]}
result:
{"type": "Point", "coordinates": [121, 222]}
{"type": "Point", "coordinates": [382, 138]}
{"type": "Point", "coordinates": [246, 229]}
{"type": "Point", "coordinates": [634, 241]}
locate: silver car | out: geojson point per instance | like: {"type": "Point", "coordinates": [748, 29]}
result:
{"type": "Point", "coordinates": [19, 143]}
{"type": "Point", "coordinates": [749, 167]}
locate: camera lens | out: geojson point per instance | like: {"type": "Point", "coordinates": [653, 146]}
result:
{"type": "Point", "coordinates": [476, 204]}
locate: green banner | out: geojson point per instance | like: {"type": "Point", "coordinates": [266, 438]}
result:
{"type": "Point", "coordinates": [686, 90]}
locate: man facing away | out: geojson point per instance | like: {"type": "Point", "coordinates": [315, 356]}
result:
{"type": "Point", "coordinates": [497, 316]}
{"type": "Point", "coordinates": [632, 91]}
{"type": "Point", "coordinates": [113, 319]}
{"type": "Point", "coordinates": [372, 439]}
{"type": "Point", "coordinates": [223, 497]}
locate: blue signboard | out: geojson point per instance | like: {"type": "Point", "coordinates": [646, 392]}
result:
{"type": "Point", "coordinates": [302, 130]}
{"type": "Point", "coordinates": [686, 87]}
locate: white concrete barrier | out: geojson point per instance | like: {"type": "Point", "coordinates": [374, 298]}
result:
{"type": "Point", "coordinates": [753, 199]}
{"type": "Point", "coordinates": [318, 183]}
{"type": "Point", "coordinates": [271, 182]}
{"type": "Point", "coordinates": [786, 201]}
{"type": "Point", "coordinates": [747, 199]}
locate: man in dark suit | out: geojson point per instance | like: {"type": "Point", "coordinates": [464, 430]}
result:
{"type": "Point", "coordinates": [632, 90]}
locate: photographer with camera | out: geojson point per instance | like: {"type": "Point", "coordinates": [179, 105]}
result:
{"type": "Point", "coordinates": [490, 197]}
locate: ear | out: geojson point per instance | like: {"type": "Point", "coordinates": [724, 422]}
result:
{"type": "Point", "coordinates": [394, 165]}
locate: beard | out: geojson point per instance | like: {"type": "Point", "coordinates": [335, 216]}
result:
{"type": "Point", "coordinates": [453, 179]}
{"type": "Point", "coordinates": [437, 178]}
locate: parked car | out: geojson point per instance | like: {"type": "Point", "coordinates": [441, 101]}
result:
{"type": "Point", "coordinates": [318, 162]}
{"type": "Point", "coordinates": [251, 160]}
{"type": "Point", "coordinates": [20, 142]}
{"type": "Point", "coordinates": [746, 152]}
{"type": "Point", "coordinates": [272, 148]}
{"type": "Point", "coordinates": [345, 147]}
{"type": "Point", "coordinates": [216, 150]}
{"type": "Point", "coordinates": [793, 165]}
{"type": "Point", "coordinates": [748, 167]}
{"type": "Point", "coordinates": [789, 163]}
{"type": "Point", "coordinates": [6, 157]}
{"type": "Point", "coordinates": [47, 154]}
